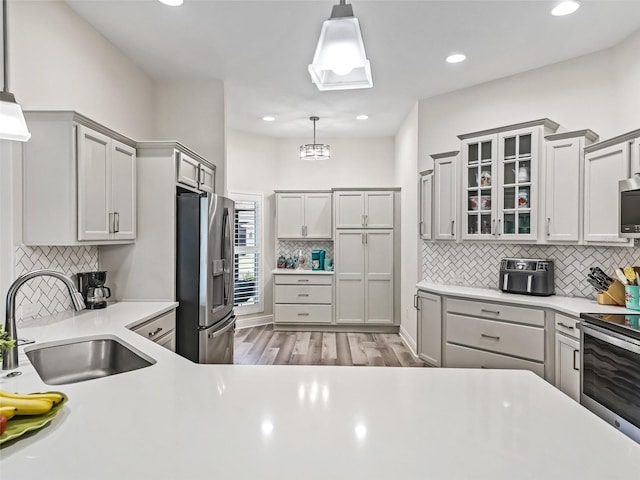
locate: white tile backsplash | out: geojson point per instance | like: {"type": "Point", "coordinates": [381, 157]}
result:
{"type": "Point", "coordinates": [48, 295]}
{"type": "Point", "coordinates": [478, 264]}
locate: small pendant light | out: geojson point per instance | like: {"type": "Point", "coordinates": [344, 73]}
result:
{"type": "Point", "coordinates": [12, 123]}
{"type": "Point", "coordinates": [315, 151]}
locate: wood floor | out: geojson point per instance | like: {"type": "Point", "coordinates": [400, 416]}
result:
{"type": "Point", "coordinates": [262, 346]}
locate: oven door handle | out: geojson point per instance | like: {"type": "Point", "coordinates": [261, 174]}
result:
{"type": "Point", "coordinates": [608, 336]}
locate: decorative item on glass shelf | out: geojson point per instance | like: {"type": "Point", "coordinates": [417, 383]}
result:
{"type": "Point", "coordinates": [523, 199]}
{"type": "Point", "coordinates": [485, 178]}
{"type": "Point", "coordinates": [315, 151]}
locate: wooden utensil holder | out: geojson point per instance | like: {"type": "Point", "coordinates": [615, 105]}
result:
{"type": "Point", "coordinates": [613, 296]}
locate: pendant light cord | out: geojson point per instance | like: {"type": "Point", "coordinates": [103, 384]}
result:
{"type": "Point", "coordinates": [5, 50]}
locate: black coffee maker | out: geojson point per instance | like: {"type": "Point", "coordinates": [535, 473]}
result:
{"type": "Point", "coordinates": [91, 285]}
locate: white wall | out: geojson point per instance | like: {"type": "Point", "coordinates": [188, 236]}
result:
{"type": "Point", "coordinates": [251, 168]}
{"type": "Point", "coordinates": [355, 162]}
{"type": "Point", "coordinates": [597, 91]}
{"type": "Point", "coordinates": [58, 61]}
{"type": "Point", "coordinates": [406, 165]}
{"type": "Point", "coordinates": [192, 112]}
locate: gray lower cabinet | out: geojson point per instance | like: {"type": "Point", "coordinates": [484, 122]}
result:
{"type": "Point", "coordinates": [429, 308]}
{"type": "Point", "coordinates": [160, 330]}
{"type": "Point", "coordinates": [490, 335]}
{"type": "Point", "coordinates": [567, 346]}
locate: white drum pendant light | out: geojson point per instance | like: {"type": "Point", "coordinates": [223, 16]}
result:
{"type": "Point", "coordinates": [12, 124]}
{"type": "Point", "coordinates": [340, 62]}
{"type": "Point", "coordinates": [315, 151]}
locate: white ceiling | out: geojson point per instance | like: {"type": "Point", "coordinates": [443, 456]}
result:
{"type": "Point", "coordinates": [261, 50]}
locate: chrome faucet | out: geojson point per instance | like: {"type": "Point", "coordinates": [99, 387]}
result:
{"type": "Point", "coordinates": [10, 357]}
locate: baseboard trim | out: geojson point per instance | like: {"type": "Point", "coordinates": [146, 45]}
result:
{"type": "Point", "coordinates": [409, 342]}
{"type": "Point", "coordinates": [296, 327]}
{"type": "Point", "coordinates": [253, 322]}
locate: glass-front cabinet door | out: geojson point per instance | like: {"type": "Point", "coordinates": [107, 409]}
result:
{"type": "Point", "coordinates": [517, 193]}
{"type": "Point", "coordinates": [480, 179]}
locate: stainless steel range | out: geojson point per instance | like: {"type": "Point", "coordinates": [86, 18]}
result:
{"type": "Point", "coordinates": [610, 369]}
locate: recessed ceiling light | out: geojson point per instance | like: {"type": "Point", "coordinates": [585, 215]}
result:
{"type": "Point", "coordinates": [268, 118]}
{"type": "Point", "coordinates": [172, 3]}
{"type": "Point", "coordinates": [362, 117]}
{"type": "Point", "coordinates": [456, 58]}
{"type": "Point", "coordinates": [565, 8]}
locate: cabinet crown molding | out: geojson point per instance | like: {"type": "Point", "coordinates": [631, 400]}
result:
{"type": "Point", "coordinates": [547, 123]}
{"type": "Point", "coordinates": [625, 137]}
{"type": "Point", "coordinates": [588, 134]}
{"type": "Point", "coordinates": [302, 191]}
{"type": "Point", "coordinates": [436, 156]}
{"type": "Point", "coordinates": [175, 145]}
{"type": "Point", "coordinates": [73, 116]}
{"type": "Point", "coordinates": [375, 189]}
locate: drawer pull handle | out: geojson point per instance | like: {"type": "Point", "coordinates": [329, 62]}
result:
{"type": "Point", "coordinates": [303, 294]}
{"type": "Point", "coordinates": [303, 314]}
{"type": "Point", "coordinates": [576, 362]}
{"type": "Point", "coordinates": [482, 366]}
{"type": "Point", "coordinates": [492, 337]}
{"type": "Point", "coordinates": [157, 331]}
{"type": "Point", "coordinates": [560, 324]}
{"type": "Point", "coordinates": [495, 312]}
{"type": "Point", "coordinates": [303, 280]}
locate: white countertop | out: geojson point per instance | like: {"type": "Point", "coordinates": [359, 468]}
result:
{"type": "Point", "coordinates": [300, 271]}
{"type": "Point", "coordinates": [179, 420]}
{"type": "Point", "coordinates": [569, 305]}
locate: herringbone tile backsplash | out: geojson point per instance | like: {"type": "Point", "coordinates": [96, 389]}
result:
{"type": "Point", "coordinates": [290, 248]}
{"type": "Point", "coordinates": [478, 264]}
{"type": "Point", "coordinates": [48, 294]}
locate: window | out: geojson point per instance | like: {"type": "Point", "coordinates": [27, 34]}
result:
{"type": "Point", "coordinates": [247, 270]}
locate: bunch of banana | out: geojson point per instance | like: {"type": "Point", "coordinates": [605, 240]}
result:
{"type": "Point", "coordinates": [29, 404]}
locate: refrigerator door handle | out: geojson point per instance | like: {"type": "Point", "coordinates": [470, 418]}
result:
{"type": "Point", "coordinates": [225, 260]}
{"type": "Point", "coordinates": [230, 324]}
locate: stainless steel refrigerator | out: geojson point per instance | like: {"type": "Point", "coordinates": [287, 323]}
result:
{"type": "Point", "coordinates": [205, 322]}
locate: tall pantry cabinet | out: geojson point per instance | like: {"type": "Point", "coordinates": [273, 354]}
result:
{"type": "Point", "coordinates": [365, 249]}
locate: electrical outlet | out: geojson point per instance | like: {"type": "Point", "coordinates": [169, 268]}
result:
{"type": "Point", "coordinates": [29, 310]}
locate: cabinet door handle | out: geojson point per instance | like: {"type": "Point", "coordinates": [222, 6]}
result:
{"type": "Point", "coordinates": [366, 238]}
{"type": "Point", "coordinates": [492, 337]}
{"type": "Point", "coordinates": [415, 302]}
{"type": "Point", "coordinates": [116, 222]}
{"type": "Point", "coordinates": [154, 333]}
{"type": "Point", "coordinates": [111, 223]}
{"type": "Point", "coordinates": [362, 219]}
{"type": "Point", "coordinates": [560, 324]}
{"type": "Point", "coordinates": [366, 220]}
{"type": "Point", "coordinates": [495, 312]}
{"type": "Point", "coordinates": [453, 225]}
{"type": "Point", "coordinates": [362, 238]}
{"type": "Point", "coordinates": [574, 360]}
{"type": "Point", "coordinates": [548, 226]}
{"type": "Point", "coordinates": [493, 227]}
{"type": "Point", "coordinates": [499, 227]}
{"type": "Point", "coordinates": [199, 175]}
{"type": "Point", "coordinates": [420, 225]}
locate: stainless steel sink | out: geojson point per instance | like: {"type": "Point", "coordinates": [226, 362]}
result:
{"type": "Point", "coordinates": [80, 359]}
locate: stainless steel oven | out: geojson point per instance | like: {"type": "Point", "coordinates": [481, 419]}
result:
{"type": "Point", "coordinates": [610, 371]}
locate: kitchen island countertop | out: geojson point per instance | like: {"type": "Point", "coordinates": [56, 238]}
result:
{"type": "Point", "coordinates": [179, 420]}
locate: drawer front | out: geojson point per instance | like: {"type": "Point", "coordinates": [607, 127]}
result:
{"type": "Point", "coordinates": [567, 325]}
{"type": "Point", "coordinates": [302, 313]}
{"type": "Point", "coordinates": [157, 327]}
{"type": "Point", "coordinates": [309, 279]}
{"type": "Point", "coordinates": [168, 341]}
{"type": "Point", "coordinates": [303, 294]}
{"type": "Point", "coordinates": [520, 340]}
{"type": "Point", "coordinates": [463, 357]}
{"type": "Point", "coordinates": [495, 311]}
